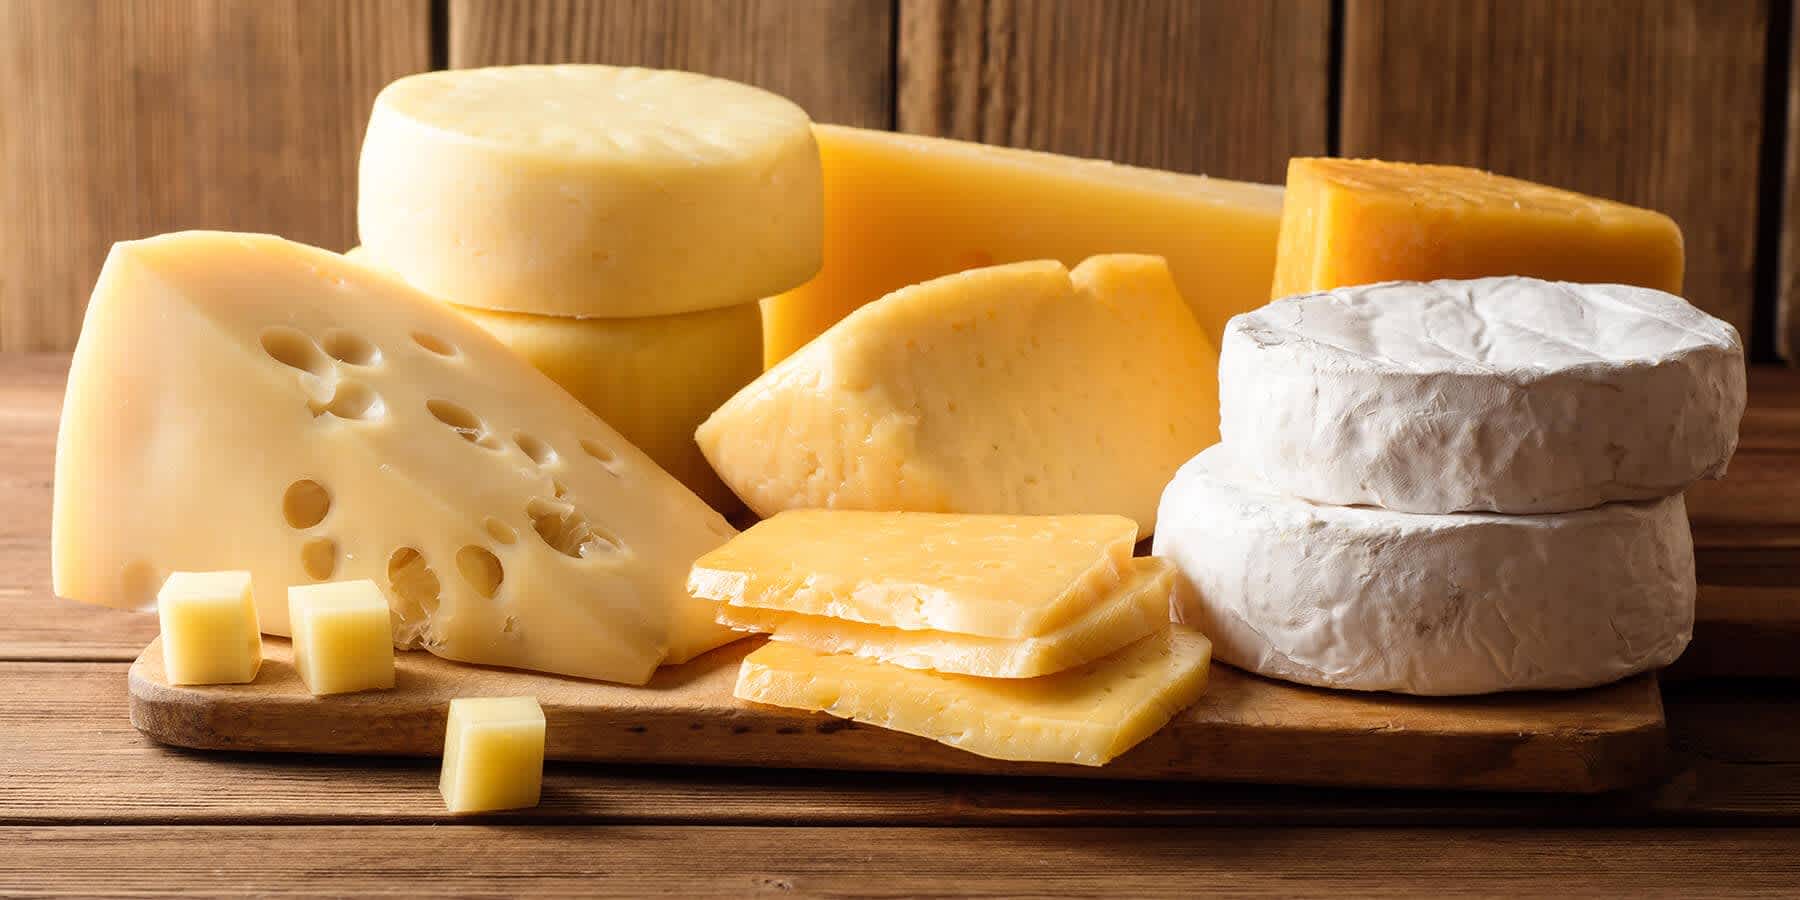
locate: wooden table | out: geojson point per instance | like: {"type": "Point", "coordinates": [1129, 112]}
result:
{"type": "Point", "coordinates": [88, 807]}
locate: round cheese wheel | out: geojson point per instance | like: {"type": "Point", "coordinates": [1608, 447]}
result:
{"type": "Point", "coordinates": [1502, 394]}
{"type": "Point", "coordinates": [1467, 603]}
{"type": "Point", "coordinates": [594, 191]}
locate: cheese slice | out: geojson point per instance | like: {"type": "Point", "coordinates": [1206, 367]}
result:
{"type": "Point", "coordinates": [901, 209]}
{"type": "Point", "coordinates": [1503, 394]}
{"type": "Point", "coordinates": [579, 190]}
{"type": "Point", "coordinates": [1017, 389]}
{"type": "Point", "coordinates": [1360, 221]}
{"type": "Point", "coordinates": [993, 576]}
{"type": "Point", "coordinates": [1086, 716]}
{"type": "Point", "coordinates": [240, 400]}
{"type": "Point", "coordinates": [1467, 603]}
{"type": "Point", "coordinates": [1138, 606]}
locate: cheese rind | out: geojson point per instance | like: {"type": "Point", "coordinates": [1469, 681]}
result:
{"type": "Point", "coordinates": [1018, 389]}
{"type": "Point", "coordinates": [209, 632]}
{"type": "Point", "coordinates": [1503, 394]}
{"type": "Point", "coordinates": [1468, 603]}
{"type": "Point", "coordinates": [493, 754]}
{"type": "Point", "coordinates": [994, 576]}
{"type": "Point", "coordinates": [902, 208]}
{"type": "Point", "coordinates": [1085, 716]}
{"type": "Point", "coordinates": [1361, 221]}
{"type": "Point", "coordinates": [342, 640]}
{"type": "Point", "coordinates": [348, 426]}
{"type": "Point", "coordinates": [1137, 606]}
{"type": "Point", "coordinates": [581, 190]}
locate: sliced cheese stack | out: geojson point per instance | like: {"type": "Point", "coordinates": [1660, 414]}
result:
{"type": "Point", "coordinates": [1032, 638]}
{"type": "Point", "coordinates": [1456, 487]}
{"type": "Point", "coordinates": [614, 226]}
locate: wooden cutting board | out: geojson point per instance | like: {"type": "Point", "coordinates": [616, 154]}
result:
{"type": "Point", "coordinates": [1245, 728]}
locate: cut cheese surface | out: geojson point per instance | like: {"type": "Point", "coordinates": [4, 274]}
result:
{"type": "Point", "coordinates": [1467, 603]}
{"type": "Point", "coordinates": [1360, 221]}
{"type": "Point", "coordinates": [1502, 394]}
{"type": "Point", "coordinates": [347, 426]}
{"type": "Point", "coordinates": [901, 209]}
{"type": "Point", "coordinates": [208, 628]}
{"type": "Point", "coordinates": [1018, 389]}
{"type": "Point", "coordinates": [583, 190]}
{"type": "Point", "coordinates": [1136, 607]}
{"type": "Point", "coordinates": [1086, 715]}
{"type": "Point", "coordinates": [493, 754]}
{"type": "Point", "coordinates": [993, 576]}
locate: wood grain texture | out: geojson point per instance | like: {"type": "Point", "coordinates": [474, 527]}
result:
{"type": "Point", "coordinates": [637, 861]}
{"type": "Point", "coordinates": [1654, 102]}
{"type": "Point", "coordinates": [1787, 278]}
{"type": "Point", "coordinates": [833, 57]}
{"type": "Point", "coordinates": [1227, 89]}
{"type": "Point", "coordinates": [127, 119]}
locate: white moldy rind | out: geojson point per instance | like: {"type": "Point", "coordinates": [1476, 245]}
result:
{"type": "Point", "coordinates": [1501, 394]}
{"type": "Point", "coordinates": [1376, 600]}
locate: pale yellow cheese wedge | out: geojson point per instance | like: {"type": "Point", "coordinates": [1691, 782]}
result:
{"type": "Point", "coordinates": [578, 190]}
{"type": "Point", "coordinates": [994, 576]}
{"type": "Point", "coordinates": [1019, 389]}
{"type": "Point", "coordinates": [341, 636]}
{"type": "Point", "coordinates": [1136, 607]}
{"type": "Point", "coordinates": [493, 754]}
{"type": "Point", "coordinates": [209, 632]}
{"type": "Point", "coordinates": [901, 209]}
{"type": "Point", "coordinates": [1087, 715]}
{"type": "Point", "coordinates": [343, 425]}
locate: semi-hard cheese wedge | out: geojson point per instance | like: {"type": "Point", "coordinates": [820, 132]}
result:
{"type": "Point", "coordinates": [1360, 221]}
{"type": "Point", "coordinates": [1086, 715]}
{"type": "Point", "coordinates": [994, 576]}
{"type": "Point", "coordinates": [590, 190]}
{"type": "Point", "coordinates": [1018, 389]}
{"type": "Point", "coordinates": [244, 401]}
{"type": "Point", "coordinates": [901, 209]}
{"type": "Point", "coordinates": [1136, 607]}
{"type": "Point", "coordinates": [1503, 394]}
{"type": "Point", "coordinates": [1466, 603]}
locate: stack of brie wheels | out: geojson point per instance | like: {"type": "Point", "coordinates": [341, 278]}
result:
{"type": "Point", "coordinates": [1455, 487]}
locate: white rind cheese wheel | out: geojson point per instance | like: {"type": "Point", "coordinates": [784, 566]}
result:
{"type": "Point", "coordinates": [1470, 603]}
{"type": "Point", "coordinates": [590, 190]}
{"type": "Point", "coordinates": [1502, 394]}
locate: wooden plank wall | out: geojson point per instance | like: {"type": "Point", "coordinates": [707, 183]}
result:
{"type": "Point", "coordinates": [143, 117]}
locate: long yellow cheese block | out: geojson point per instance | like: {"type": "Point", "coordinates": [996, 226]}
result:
{"type": "Point", "coordinates": [901, 209]}
{"type": "Point", "coordinates": [590, 190]}
{"type": "Point", "coordinates": [1136, 607]}
{"type": "Point", "coordinates": [1360, 221]}
{"type": "Point", "coordinates": [247, 402]}
{"type": "Point", "coordinates": [994, 576]}
{"type": "Point", "coordinates": [1018, 389]}
{"type": "Point", "coordinates": [1086, 716]}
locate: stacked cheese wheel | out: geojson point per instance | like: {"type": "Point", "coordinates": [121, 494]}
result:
{"type": "Point", "coordinates": [1455, 487]}
{"type": "Point", "coordinates": [616, 227]}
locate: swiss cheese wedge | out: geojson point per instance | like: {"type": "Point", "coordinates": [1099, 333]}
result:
{"type": "Point", "coordinates": [243, 401]}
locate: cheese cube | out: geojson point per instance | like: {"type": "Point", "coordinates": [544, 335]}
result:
{"type": "Point", "coordinates": [209, 632]}
{"type": "Point", "coordinates": [580, 190]}
{"type": "Point", "coordinates": [1360, 221]}
{"type": "Point", "coordinates": [994, 576]}
{"type": "Point", "coordinates": [901, 209]}
{"type": "Point", "coordinates": [1022, 389]}
{"type": "Point", "coordinates": [342, 639]}
{"type": "Point", "coordinates": [1138, 606]}
{"type": "Point", "coordinates": [1086, 715]}
{"type": "Point", "coordinates": [493, 754]}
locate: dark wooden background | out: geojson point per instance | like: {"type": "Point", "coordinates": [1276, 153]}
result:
{"type": "Point", "coordinates": [124, 118]}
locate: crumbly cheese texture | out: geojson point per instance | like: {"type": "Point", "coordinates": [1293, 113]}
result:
{"type": "Point", "coordinates": [1501, 394]}
{"type": "Point", "coordinates": [994, 576]}
{"type": "Point", "coordinates": [1469, 603]}
{"type": "Point", "coordinates": [1361, 221]}
{"type": "Point", "coordinates": [493, 754]}
{"type": "Point", "coordinates": [1137, 606]}
{"type": "Point", "coordinates": [1017, 389]}
{"type": "Point", "coordinates": [581, 190]}
{"type": "Point", "coordinates": [901, 209]}
{"type": "Point", "coordinates": [1085, 716]}
{"type": "Point", "coordinates": [347, 426]}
